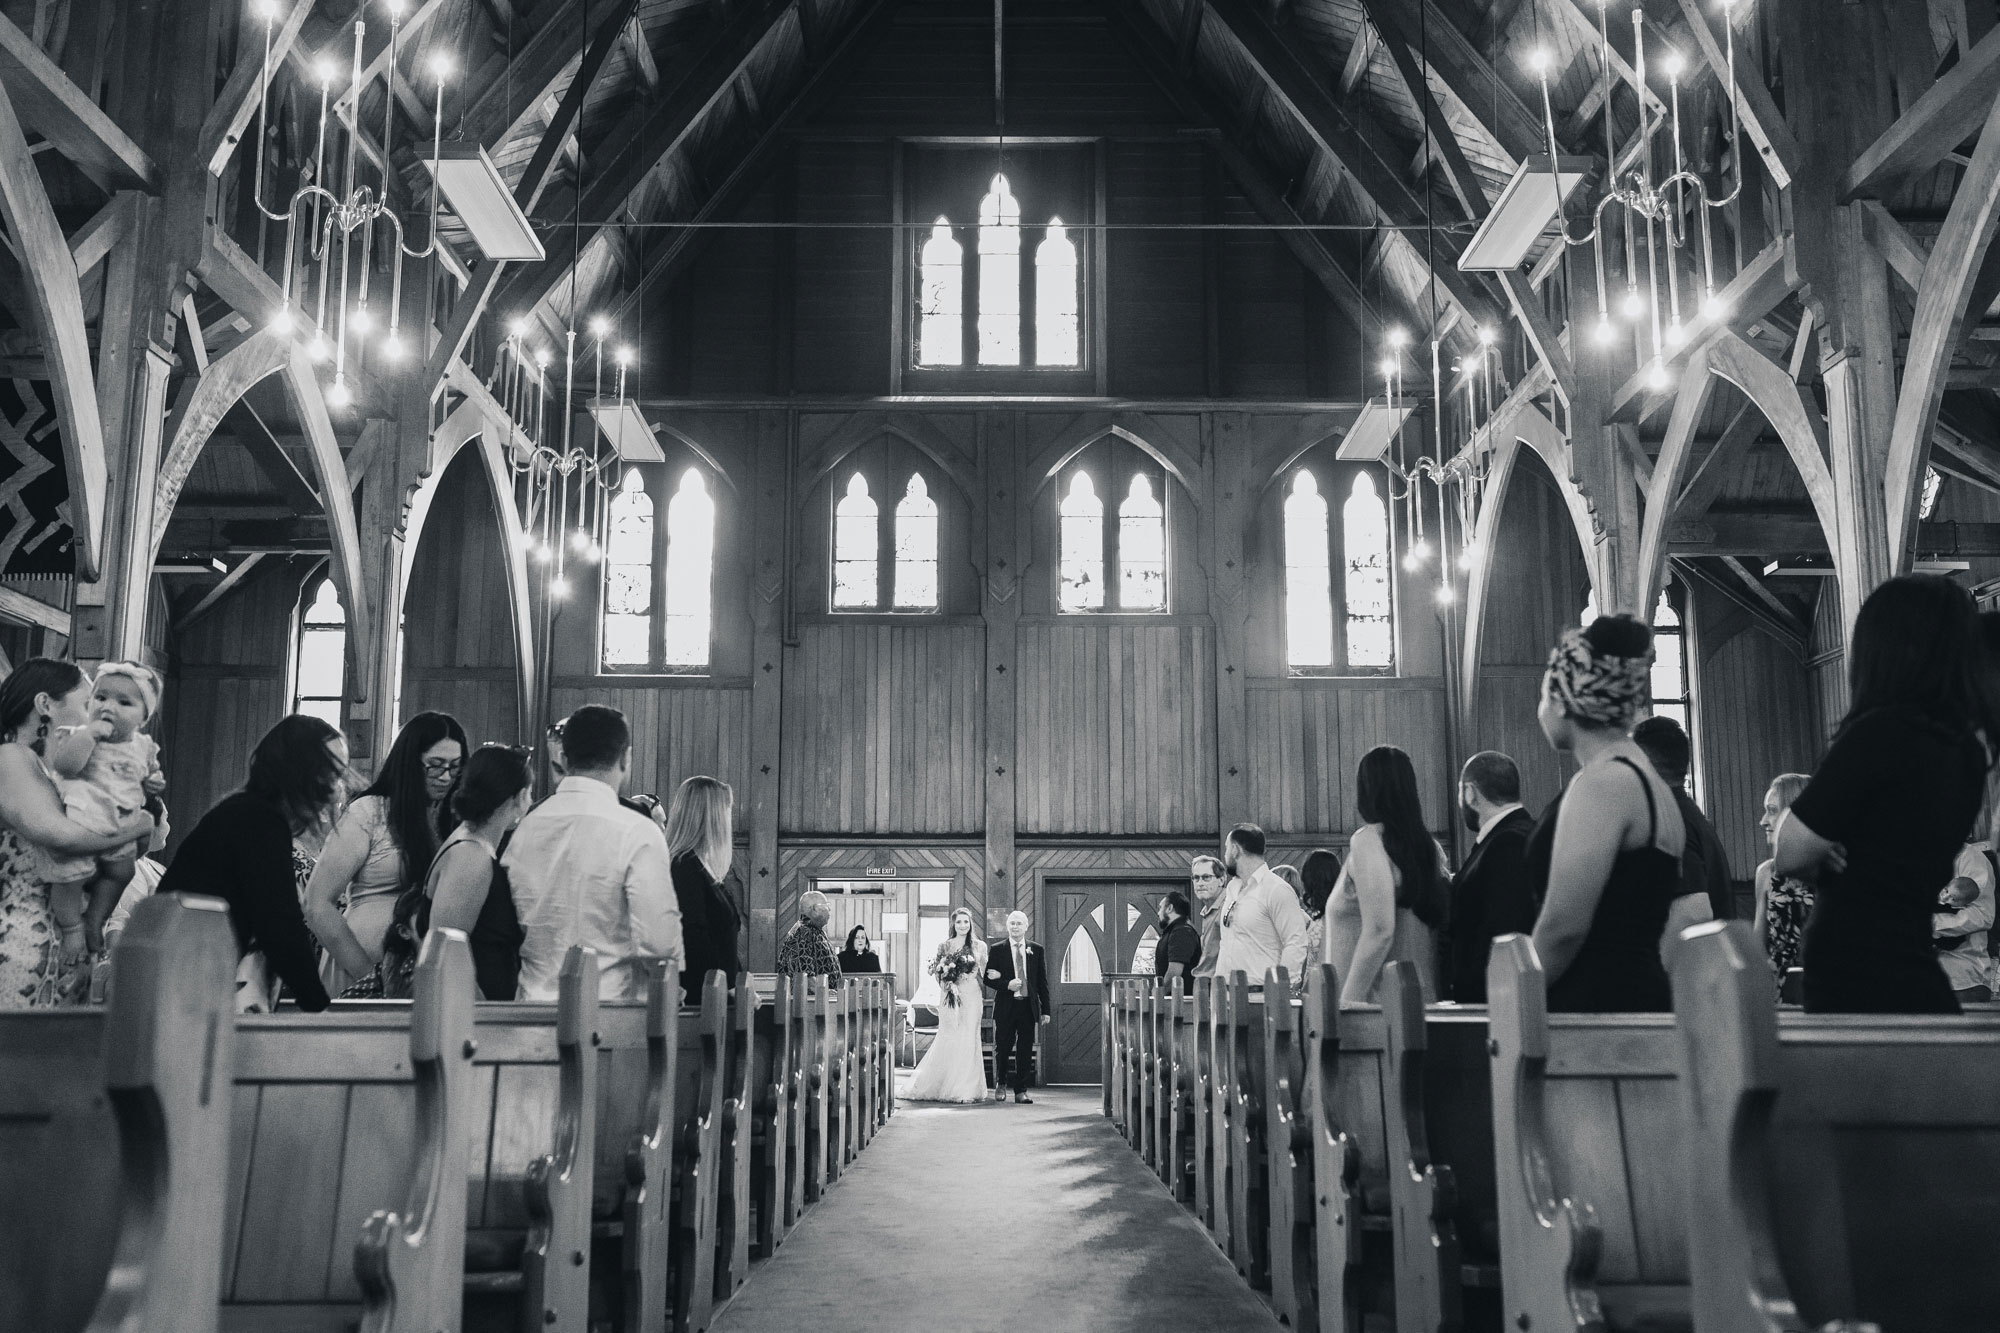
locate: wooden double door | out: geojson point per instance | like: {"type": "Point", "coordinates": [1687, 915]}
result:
{"type": "Point", "coordinates": [1100, 926]}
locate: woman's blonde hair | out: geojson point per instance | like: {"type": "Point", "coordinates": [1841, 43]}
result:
{"type": "Point", "coordinates": [699, 822]}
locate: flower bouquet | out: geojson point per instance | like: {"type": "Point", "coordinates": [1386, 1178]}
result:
{"type": "Point", "coordinates": [948, 967]}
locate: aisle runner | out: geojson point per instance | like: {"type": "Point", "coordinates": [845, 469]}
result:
{"type": "Point", "coordinates": [1029, 1219]}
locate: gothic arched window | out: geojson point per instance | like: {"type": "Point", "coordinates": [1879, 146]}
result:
{"type": "Point", "coordinates": [1057, 299]}
{"type": "Point", "coordinates": [941, 299]}
{"type": "Point", "coordinates": [1308, 576]}
{"type": "Point", "coordinates": [1082, 521]}
{"type": "Point", "coordinates": [1111, 530]}
{"type": "Point", "coordinates": [1364, 520]}
{"type": "Point", "coordinates": [999, 276]}
{"type": "Point", "coordinates": [690, 573]}
{"type": "Point", "coordinates": [1142, 549]}
{"type": "Point", "coordinates": [855, 585]}
{"type": "Point", "coordinates": [319, 668]}
{"type": "Point", "coordinates": [628, 576]}
{"type": "Point", "coordinates": [916, 548]}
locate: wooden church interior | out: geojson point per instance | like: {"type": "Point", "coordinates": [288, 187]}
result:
{"type": "Point", "coordinates": [1010, 442]}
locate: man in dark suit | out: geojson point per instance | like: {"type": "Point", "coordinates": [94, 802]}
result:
{"type": "Point", "coordinates": [1491, 895]}
{"type": "Point", "coordinates": [1020, 984]}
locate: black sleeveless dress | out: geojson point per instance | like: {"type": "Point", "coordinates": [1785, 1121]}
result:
{"type": "Point", "coordinates": [1618, 969]}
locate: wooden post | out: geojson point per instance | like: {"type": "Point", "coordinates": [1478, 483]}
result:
{"type": "Point", "coordinates": [772, 489]}
{"type": "Point", "coordinates": [1000, 604]}
{"type": "Point", "coordinates": [1232, 499]}
{"type": "Point", "coordinates": [1601, 470]}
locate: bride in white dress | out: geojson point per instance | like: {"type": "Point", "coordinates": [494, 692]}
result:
{"type": "Point", "coordinates": [953, 1069]}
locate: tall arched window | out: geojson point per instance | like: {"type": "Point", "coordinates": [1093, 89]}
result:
{"type": "Point", "coordinates": [1671, 695]}
{"type": "Point", "coordinates": [1308, 576]}
{"type": "Point", "coordinates": [1082, 538]}
{"type": "Point", "coordinates": [916, 548]}
{"type": "Point", "coordinates": [855, 586]}
{"type": "Point", "coordinates": [999, 276]}
{"type": "Point", "coordinates": [628, 576]}
{"type": "Point", "coordinates": [1364, 521]}
{"type": "Point", "coordinates": [1142, 549]}
{"type": "Point", "coordinates": [1057, 331]}
{"type": "Point", "coordinates": [319, 668]}
{"type": "Point", "coordinates": [690, 572]}
{"type": "Point", "coordinates": [941, 299]}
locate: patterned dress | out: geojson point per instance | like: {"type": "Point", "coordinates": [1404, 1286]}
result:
{"type": "Point", "coordinates": [28, 935]}
{"type": "Point", "coordinates": [1786, 908]}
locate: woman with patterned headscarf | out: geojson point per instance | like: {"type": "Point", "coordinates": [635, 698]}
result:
{"type": "Point", "coordinates": [1607, 852]}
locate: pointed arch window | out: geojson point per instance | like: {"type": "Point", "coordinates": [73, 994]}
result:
{"type": "Point", "coordinates": [1142, 549]}
{"type": "Point", "coordinates": [628, 576]}
{"type": "Point", "coordinates": [854, 581]}
{"type": "Point", "coordinates": [941, 299]}
{"type": "Point", "coordinates": [999, 276]}
{"type": "Point", "coordinates": [916, 548]}
{"type": "Point", "coordinates": [689, 589]}
{"type": "Point", "coordinates": [1364, 520]}
{"type": "Point", "coordinates": [1308, 575]}
{"type": "Point", "coordinates": [319, 666]}
{"type": "Point", "coordinates": [1082, 521]}
{"type": "Point", "coordinates": [1057, 300]}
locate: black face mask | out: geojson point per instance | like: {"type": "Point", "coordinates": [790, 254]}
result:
{"type": "Point", "coordinates": [1470, 816]}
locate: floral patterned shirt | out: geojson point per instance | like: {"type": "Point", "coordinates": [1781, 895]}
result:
{"type": "Point", "coordinates": [806, 951]}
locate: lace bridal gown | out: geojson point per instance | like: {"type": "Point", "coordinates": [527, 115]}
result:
{"type": "Point", "coordinates": [953, 1069]}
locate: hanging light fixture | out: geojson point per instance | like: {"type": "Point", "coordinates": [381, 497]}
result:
{"type": "Point", "coordinates": [347, 220]}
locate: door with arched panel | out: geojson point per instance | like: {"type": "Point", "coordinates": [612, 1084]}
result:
{"type": "Point", "coordinates": [1101, 926]}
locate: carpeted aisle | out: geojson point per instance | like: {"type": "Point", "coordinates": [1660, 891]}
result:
{"type": "Point", "coordinates": [1016, 1219]}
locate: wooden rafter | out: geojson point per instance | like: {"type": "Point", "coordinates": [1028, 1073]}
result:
{"type": "Point", "coordinates": [229, 117]}
{"type": "Point", "coordinates": [46, 102]}
{"type": "Point", "coordinates": [1754, 105]}
{"type": "Point", "coordinates": [1943, 118]}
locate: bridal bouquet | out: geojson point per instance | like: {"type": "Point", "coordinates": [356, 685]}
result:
{"type": "Point", "coordinates": [948, 967]}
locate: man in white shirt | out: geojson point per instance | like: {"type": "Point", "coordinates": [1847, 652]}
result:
{"type": "Point", "coordinates": [586, 870]}
{"type": "Point", "coordinates": [1264, 925]}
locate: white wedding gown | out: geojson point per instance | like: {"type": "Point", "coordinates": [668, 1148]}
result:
{"type": "Point", "coordinates": [954, 1069]}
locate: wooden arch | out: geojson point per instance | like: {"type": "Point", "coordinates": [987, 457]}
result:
{"type": "Point", "coordinates": [709, 456]}
{"type": "Point", "coordinates": [1180, 457]}
{"type": "Point", "coordinates": [862, 427]}
{"type": "Point", "coordinates": [469, 425]}
{"type": "Point", "coordinates": [1772, 392]}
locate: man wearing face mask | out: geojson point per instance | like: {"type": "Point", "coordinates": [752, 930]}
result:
{"type": "Point", "coordinates": [1492, 894]}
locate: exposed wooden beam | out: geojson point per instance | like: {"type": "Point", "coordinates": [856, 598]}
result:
{"type": "Point", "coordinates": [1586, 27]}
{"type": "Point", "coordinates": [502, 105]}
{"type": "Point", "coordinates": [1188, 39]}
{"type": "Point", "coordinates": [227, 120]}
{"type": "Point", "coordinates": [1359, 56]}
{"type": "Point", "coordinates": [1746, 298]}
{"type": "Point", "coordinates": [228, 584]}
{"type": "Point", "coordinates": [1306, 246]}
{"type": "Point", "coordinates": [642, 56]}
{"type": "Point", "coordinates": [1479, 90]}
{"type": "Point", "coordinates": [1765, 597]}
{"type": "Point", "coordinates": [1942, 119]}
{"type": "Point", "coordinates": [47, 103]}
{"type": "Point", "coordinates": [107, 227]}
{"type": "Point", "coordinates": [1702, 489]}
{"type": "Point", "coordinates": [1777, 532]}
{"type": "Point", "coordinates": [18, 606]}
{"type": "Point", "coordinates": [1906, 255]}
{"type": "Point", "coordinates": [255, 435]}
{"type": "Point", "coordinates": [48, 273]}
{"type": "Point", "coordinates": [1763, 606]}
{"type": "Point", "coordinates": [1936, 329]}
{"type": "Point", "coordinates": [1754, 105]}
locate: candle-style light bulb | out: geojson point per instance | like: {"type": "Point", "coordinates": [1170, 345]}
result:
{"type": "Point", "coordinates": [339, 395]}
{"type": "Point", "coordinates": [1656, 375]}
{"type": "Point", "coordinates": [1444, 594]}
{"type": "Point", "coordinates": [361, 321]}
{"type": "Point", "coordinates": [441, 66]}
{"type": "Point", "coordinates": [1635, 304]}
{"type": "Point", "coordinates": [281, 323]}
{"type": "Point", "coordinates": [1607, 332]}
{"type": "Point", "coordinates": [317, 348]}
{"type": "Point", "coordinates": [392, 346]}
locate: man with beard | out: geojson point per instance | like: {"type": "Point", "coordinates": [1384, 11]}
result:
{"type": "Point", "coordinates": [1492, 894]}
{"type": "Point", "coordinates": [1263, 925]}
{"type": "Point", "coordinates": [1209, 880]}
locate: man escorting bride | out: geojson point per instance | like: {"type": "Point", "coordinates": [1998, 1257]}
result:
{"type": "Point", "coordinates": [953, 1069]}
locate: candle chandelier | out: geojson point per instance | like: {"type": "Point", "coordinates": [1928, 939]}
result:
{"type": "Point", "coordinates": [1660, 210]}
{"type": "Point", "coordinates": [1457, 481]}
{"type": "Point", "coordinates": [563, 488]}
{"type": "Point", "coordinates": [348, 220]}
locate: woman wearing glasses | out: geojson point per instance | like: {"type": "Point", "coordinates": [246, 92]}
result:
{"type": "Point", "coordinates": [382, 844]}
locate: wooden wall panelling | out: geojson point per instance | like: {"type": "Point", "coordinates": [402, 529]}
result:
{"type": "Point", "coordinates": [842, 304]}
{"type": "Point", "coordinates": [800, 863]}
{"type": "Point", "coordinates": [1156, 305]}
{"type": "Point", "coordinates": [1000, 444]}
{"type": "Point", "coordinates": [1233, 486]}
{"type": "Point", "coordinates": [1121, 738]}
{"type": "Point", "coordinates": [679, 729]}
{"type": "Point", "coordinates": [458, 643]}
{"type": "Point", "coordinates": [1308, 735]}
{"type": "Point", "coordinates": [883, 729]}
{"type": "Point", "coordinates": [770, 499]}
{"type": "Point", "coordinates": [1827, 662]}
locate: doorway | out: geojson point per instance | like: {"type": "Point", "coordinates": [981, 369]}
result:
{"type": "Point", "coordinates": [906, 919]}
{"type": "Point", "coordinates": [1102, 926]}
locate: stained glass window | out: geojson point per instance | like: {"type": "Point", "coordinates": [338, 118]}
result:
{"type": "Point", "coordinates": [941, 299]}
{"type": "Point", "coordinates": [1082, 540]}
{"type": "Point", "coordinates": [628, 576]}
{"type": "Point", "coordinates": [1670, 679]}
{"type": "Point", "coordinates": [1142, 549]}
{"type": "Point", "coordinates": [855, 586]}
{"type": "Point", "coordinates": [1056, 299]}
{"type": "Point", "coordinates": [321, 669]}
{"type": "Point", "coordinates": [690, 570]}
{"type": "Point", "coordinates": [1364, 522]}
{"type": "Point", "coordinates": [1308, 576]}
{"type": "Point", "coordinates": [916, 548]}
{"type": "Point", "coordinates": [999, 276]}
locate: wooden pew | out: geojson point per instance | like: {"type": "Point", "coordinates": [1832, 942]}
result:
{"type": "Point", "coordinates": [1145, 1071]}
{"type": "Point", "coordinates": [1441, 1167]}
{"type": "Point", "coordinates": [638, 1051]}
{"type": "Point", "coordinates": [1183, 1109]}
{"type": "Point", "coordinates": [1848, 1161]}
{"type": "Point", "coordinates": [1201, 1109]}
{"type": "Point", "coordinates": [1165, 1163]}
{"type": "Point", "coordinates": [733, 1199]}
{"type": "Point", "coordinates": [1221, 1108]}
{"type": "Point", "coordinates": [799, 1062]}
{"type": "Point", "coordinates": [1589, 1137]}
{"type": "Point", "coordinates": [839, 1081]}
{"type": "Point", "coordinates": [338, 1120]}
{"type": "Point", "coordinates": [698, 1165]}
{"type": "Point", "coordinates": [114, 1138]}
{"type": "Point", "coordinates": [1347, 1084]}
{"type": "Point", "coordinates": [817, 1006]}
{"type": "Point", "coordinates": [776, 1121]}
{"type": "Point", "coordinates": [1288, 1140]}
{"type": "Point", "coordinates": [1249, 1216]}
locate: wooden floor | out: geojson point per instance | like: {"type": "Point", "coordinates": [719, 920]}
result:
{"type": "Point", "coordinates": [1031, 1219]}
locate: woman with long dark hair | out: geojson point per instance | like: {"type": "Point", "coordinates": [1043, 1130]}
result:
{"type": "Point", "coordinates": [383, 845]}
{"type": "Point", "coordinates": [1607, 852]}
{"type": "Point", "coordinates": [1319, 873]}
{"type": "Point", "coordinates": [39, 698]}
{"type": "Point", "coordinates": [1878, 827]}
{"type": "Point", "coordinates": [1390, 898]}
{"type": "Point", "coordinates": [241, 851]}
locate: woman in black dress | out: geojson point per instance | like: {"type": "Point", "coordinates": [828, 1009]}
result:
{"type": "Point", "coordinates": [699, 850]}
{"type": "Point", "coordinates": [859, 955]}
{"type": "Point", "coordinates": [467, 887]}
{"type": "Point", "coordinates": [1607, 851]}
{"type": "Point", "coordinates": [241, 851]}
{"type": "Point", "coordinates": [1878, 827]}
